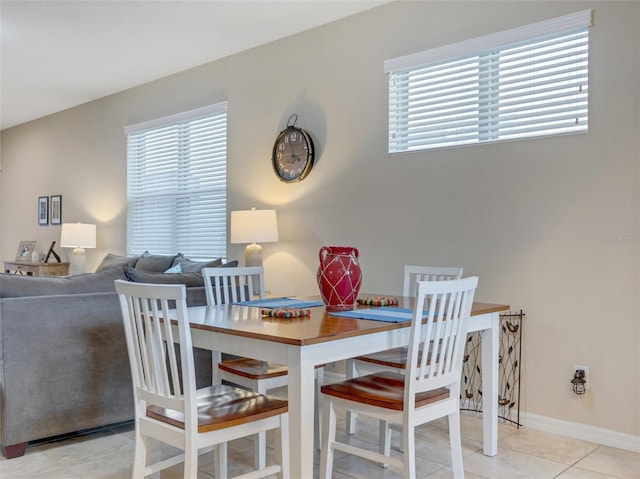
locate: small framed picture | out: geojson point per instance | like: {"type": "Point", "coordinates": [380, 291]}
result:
{"type": "Point", "coordinates": [43, 210]}
{"type": "Point", "coordinates": [56, 209]}
{"type": "Point", "coordinates": [51, 252]}
{"type": "Point", "coordinates": [25, 250]}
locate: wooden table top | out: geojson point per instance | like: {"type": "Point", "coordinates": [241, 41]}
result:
{"type": "Point", "coordinates": [320, 327]}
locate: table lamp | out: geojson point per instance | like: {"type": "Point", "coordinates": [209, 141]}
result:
{"type": "Point", "coordinates": [78, 236]}
{"type": "Point", "coordinates": [253, 226]}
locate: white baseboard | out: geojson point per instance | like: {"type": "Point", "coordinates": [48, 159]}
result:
{"type": "Point", "coordinates": [584, 432]}
{"type": "Point", "coordinates": [597, 435]}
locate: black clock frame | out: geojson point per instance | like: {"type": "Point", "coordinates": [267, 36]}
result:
{"type": "Point", "coordinates": [308, 161]}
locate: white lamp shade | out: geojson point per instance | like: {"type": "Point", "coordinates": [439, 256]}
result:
{"type": "Point", "coordinates": [254, 226]}
{"type": "Point", "coordinates": [78, 235]}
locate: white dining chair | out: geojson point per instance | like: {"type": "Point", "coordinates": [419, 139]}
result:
{"type": "Point", "coordinates": [168, 408]}
{"type": "Point", "coordinates": [430, 389]}
{"type": "Point", "coordinates": [231, 285]}
{"type": "Point", "coordinates": [395, 359]}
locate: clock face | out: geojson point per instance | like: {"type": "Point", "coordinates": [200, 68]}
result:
{"type": "Point", "coordinates": [292, 154]}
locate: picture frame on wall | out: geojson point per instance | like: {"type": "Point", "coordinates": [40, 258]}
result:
{"type": "Point", "coordinates": [56, 209]}
{"type": "Point", "coordinates": [25, 249]}
{"type": "Point", "coordinates": [43, 210]}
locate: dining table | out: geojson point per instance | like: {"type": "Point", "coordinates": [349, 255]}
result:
{"type": "Point", "coordinates": [302, 343]}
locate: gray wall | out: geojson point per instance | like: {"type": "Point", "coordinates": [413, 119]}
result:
{"type": "Point", "coordinates": [550, 225]}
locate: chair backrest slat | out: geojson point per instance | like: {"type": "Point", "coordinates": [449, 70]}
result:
{"type": "Point", "coordinates": [232, 285]}
{"type": "Point", "coordinates": [413, 274]}
{"type": "Point", "coordinates": [438, 334]}
{"type": "Point", "coordinates": [151, 337]}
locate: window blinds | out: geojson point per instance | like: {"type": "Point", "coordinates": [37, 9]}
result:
{"type": "Point", "coordinates": [176, 184]}
{"type": "Point", "coordinates": [529, 81]}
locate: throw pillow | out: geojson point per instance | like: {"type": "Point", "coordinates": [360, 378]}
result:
{"type": "Point", "coordinates": [188, 279]}
{"type": "Point", "coordinates": [174, 269]}
{"type": "Point", "coordinates": [154, 263]}
{"type": "Point", "coordinates": [111, 260]}
{"type": "Point", "coordinates": [189, 266]}
{"type": "Point", "coordinates": [230, 264]}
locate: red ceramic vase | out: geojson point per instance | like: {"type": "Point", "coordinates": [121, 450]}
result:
{"type": "Point", "coordinates": [339, 277]}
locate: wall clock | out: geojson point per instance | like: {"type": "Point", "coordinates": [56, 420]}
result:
{"type": "Point", "coordinates": [293, 153]}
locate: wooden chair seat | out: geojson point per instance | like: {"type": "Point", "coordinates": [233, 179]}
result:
{"type": "Point", "coordinates": [255, 369]}
{"type": "Point", "coordinates": [385, 389]}
{"type": "Point", "coordinates": [395, 358]}
{"type": "Point", "coordinates": [222, 406]}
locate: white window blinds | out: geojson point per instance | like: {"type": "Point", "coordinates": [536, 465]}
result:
{"type": "Point", "coordinates": [176, 184]}
{"type": "Point", "coordinates": [524, 82]}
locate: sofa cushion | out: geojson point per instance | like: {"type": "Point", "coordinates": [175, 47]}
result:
{"type": "Point", "coordinates": [154, 263]}
{"type": "Point", "coordinates": [111, 260]}
{"type": "Point", "coordinates": [189, 266]}
{"type": "Point", "coordinates": [188, 279]}
{"type": "Point", "coordinates": [230, 264]}
{"type": "Point", "coordinates": [13, 285]}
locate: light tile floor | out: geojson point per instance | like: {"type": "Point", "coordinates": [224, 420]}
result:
{"type": "Point", "coordinates": [523, 453]}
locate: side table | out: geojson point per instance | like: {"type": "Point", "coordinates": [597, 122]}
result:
{"type": "Point", "coordinates": [36, 268]}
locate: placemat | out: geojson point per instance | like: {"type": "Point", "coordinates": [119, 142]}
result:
{"type": "Point", "coordinates": [275, 303]}
{"type": "Point", "coordinates": [384, 313]}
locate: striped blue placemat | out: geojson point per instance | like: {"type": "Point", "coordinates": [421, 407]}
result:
{"type": "Point", "coordinates": [275, 303]}
{"type": "Point", "coordinates": [385, 313]}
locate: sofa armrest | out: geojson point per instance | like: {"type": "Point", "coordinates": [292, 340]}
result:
{"type": "Point", "coordinates": [64, 365]}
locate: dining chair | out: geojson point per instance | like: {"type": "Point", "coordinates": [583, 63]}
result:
{"type": "Point", "coordinates": [168, 407]}
{"type": "Point", "coordinates": [430, 389]}
{"type": "Point", "coordinates": [395, 359]}
{"type": "Point", "coordinates": [231, 285]}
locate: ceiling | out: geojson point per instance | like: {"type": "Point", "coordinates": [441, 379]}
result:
{"type": "Point", "coordinates": [56, 54]}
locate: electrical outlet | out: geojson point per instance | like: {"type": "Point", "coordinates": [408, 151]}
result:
{"type": "Point", "coordinates": [587, 379]}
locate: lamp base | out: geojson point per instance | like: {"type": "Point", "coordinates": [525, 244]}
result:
{"type": "Point", "coordinates": [253, 255]}
{"type": "Point", "coordinates": [78, 261]}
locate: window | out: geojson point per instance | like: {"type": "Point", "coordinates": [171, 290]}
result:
{"type": "Point", "coordinates": [525, 82]}
{"type": "Point", "coordinates": [176, 184]}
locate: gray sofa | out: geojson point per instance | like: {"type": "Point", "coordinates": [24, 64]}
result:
{"type": "Point", "coordinates": [63, 357]}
